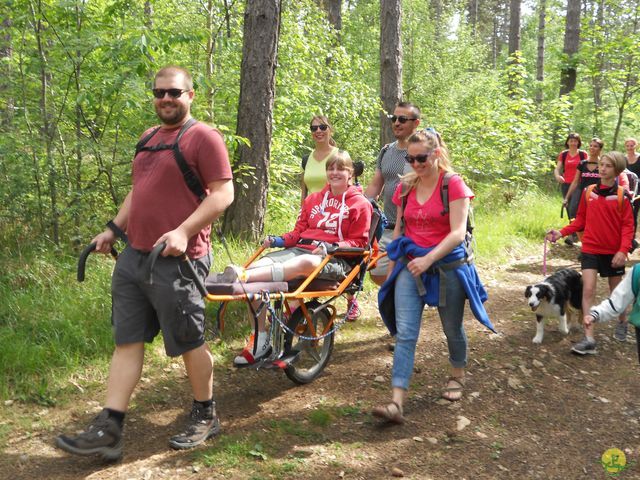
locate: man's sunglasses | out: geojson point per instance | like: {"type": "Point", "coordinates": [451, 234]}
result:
{"type": "Point", "coordinates": [314, 128]}
{"type": "Point", "coordinates": [418, 158]}
{"type": "Point", "coordinates": [400, 118]}
{"type": "Point", "coordinates": [173, 92]}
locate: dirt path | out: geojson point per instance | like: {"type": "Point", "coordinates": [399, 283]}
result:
{"type": "Point", "coordinates": [534, 412]}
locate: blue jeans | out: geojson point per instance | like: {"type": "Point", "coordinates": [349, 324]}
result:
{"type": "Point", "coordinates": [409, 307]}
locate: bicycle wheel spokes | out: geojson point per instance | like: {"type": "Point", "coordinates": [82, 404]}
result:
{"type": "Point", "coordinates": [313, 354]}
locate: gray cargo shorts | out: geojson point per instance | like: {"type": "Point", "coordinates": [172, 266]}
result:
{"type": "Point", "coordinates": [172, 304]}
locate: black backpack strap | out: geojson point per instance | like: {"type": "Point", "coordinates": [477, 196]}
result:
{"type": "Point", "coordinates": [404, 193]}
{"type": "Point", "coordinates": [444, 192]}
{"type": "Point", "coordinates": [191, 179]}
{"type": "Point", "coordinates": [140, 145]}
{"type": "Point", "coordinates": [564, 155]}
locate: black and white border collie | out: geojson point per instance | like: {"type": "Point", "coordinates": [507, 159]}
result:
{"type": "Point", "coordinates": [552, 298]}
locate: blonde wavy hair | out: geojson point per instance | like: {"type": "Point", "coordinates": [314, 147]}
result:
{"type": "Point", "coordinates": [432, 141]}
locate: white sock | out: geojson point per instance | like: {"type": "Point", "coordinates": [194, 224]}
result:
{"type": "Point", "coordinates": [591, 339]}
{"type": "Point", "coordinates": [263, 339]}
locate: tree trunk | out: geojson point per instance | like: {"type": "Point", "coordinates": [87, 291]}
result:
{"type": "Point", "coordinates": [334, 12]}
{"type": "Point", "coordinates": [6, 51]}
{"type": "Point", "coordinates": [540, 59]}
{"type": "Point", "coordinates": [436, 12]}
{"type": "Point", "coordinates": [77, 178]}
{"type": "Point", "coordinates": [514, 26]}
{"type": "Point", "coordinates": [209, 62]}
{"type": "Point", "coordinates": [390, 63]}
{"type": "Point", "coordinates": [494, 44]}
{"type": "Point", "coordinates": [597, 77]}
{"type": "Point", "coordinates": [245, 217]}
{"type": "Point", "coordinates": [473, 16]}
{"type": "Point", "coordinates": [631, 86]}
{"type": "Point", "coordinates": [47, 129]}
{"type": "Point", "coordinates": [568, 75]}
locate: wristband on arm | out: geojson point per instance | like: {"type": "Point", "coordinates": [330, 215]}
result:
{"type": "Point", "coordinates": [118, 232]}
{"type": "Point", "coordinates": [277, 242]}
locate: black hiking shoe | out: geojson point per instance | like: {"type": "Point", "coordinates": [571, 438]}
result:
{"type": "Point", "coordinates": [103, 436]}
{"type": "Point", "coordinates": [203, 423]}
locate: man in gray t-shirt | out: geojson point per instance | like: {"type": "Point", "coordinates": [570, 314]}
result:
{"type": "Point", "coordinates": [389, 166]}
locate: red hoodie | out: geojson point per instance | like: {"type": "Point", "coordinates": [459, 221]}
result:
{"type": "Point", "coordinates": [607, 230]}
{"type": "Point", "coordinates": [342, 219]}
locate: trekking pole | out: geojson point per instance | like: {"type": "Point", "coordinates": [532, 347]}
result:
{"type": "Point", "coordinates": [562, 208]}
{"type": "Point", "coordinates": [638, 342]}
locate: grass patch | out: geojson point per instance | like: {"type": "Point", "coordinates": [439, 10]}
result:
{"type": "Point", "coordinates": [51, 327]}
{"type": "Point", "coordinates": [284, 427]}
{"type": "Point", "coordinates": [504, 229]}
{"type": "Point", "coordinates": [320, 417]}
{"type": "Point", "coordinates": [250, 454]}
{"type": "Point", "coordinates": [232, 451]}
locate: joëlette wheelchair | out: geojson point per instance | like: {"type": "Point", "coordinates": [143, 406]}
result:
{"type": "Point", "coordinates": [302, 339]}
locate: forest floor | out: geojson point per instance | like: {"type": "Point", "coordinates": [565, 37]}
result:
{"type": "Point", "coordinates": [532, 411]}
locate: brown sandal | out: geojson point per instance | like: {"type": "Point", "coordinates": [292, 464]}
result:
{"type": "Point", "coordinates": [454, 389]}
{"type": "Point", "coordinates": [391, 412]}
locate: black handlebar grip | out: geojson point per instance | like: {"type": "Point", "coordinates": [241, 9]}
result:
{"type": "Point", "coordinates": [82, 259]}
{"type": "Point", "coordinates": [153, 256]}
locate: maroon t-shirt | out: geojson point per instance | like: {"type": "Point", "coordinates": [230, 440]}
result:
{"type": "Point", "coordinates": [161, 199]}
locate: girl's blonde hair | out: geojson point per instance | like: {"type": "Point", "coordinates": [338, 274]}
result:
{"type": "Point", "coordinates": [342, 160]}
{"type": "Point", "coordinates": [631, 139]}
{"type": "Point", "coordinates": [325, 120]}
{"type": "Point", "coordinates": [432, 140]}
{"type": "Point", "coordinates": [618, 160]}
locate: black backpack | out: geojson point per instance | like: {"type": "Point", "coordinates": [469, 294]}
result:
{"type": "Point", "coordinates": [190, 177]}
{"type": "Point", "coordinates": [444, 196]}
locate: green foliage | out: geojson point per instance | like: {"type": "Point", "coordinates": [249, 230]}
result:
{"type": "Point", "coordinates": [502, 227]}
{"type": "Point", "coordinates": [50, 328]}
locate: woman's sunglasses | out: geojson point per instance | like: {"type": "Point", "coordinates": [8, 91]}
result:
{"type": "Point", "coordinates": [173, 92]}
{"type": "Point", "coordinates": [400, 118]}
{"type": "Point", "coordinates": [314, 128]}
{"type": "Point", "coordinates": [418, 158]}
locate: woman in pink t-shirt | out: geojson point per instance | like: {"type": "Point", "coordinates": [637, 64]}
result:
{"type": "Point", "coordinates": [428, 226]}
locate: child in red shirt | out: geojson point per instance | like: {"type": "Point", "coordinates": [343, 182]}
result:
{"type": "Point", "coordinates": [605, 216]}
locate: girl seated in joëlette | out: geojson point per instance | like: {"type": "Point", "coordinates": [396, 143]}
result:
{"type": "Point", "coordinates": [337, 216]}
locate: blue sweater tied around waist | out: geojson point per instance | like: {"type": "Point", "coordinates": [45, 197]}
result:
{"type": "Point", "coordinates": [404, 247]}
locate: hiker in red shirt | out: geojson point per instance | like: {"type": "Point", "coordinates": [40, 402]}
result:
{"type": "Point", "coordinates": [605, 216]}
{"type": "Point", "coordinates": [567, 165]}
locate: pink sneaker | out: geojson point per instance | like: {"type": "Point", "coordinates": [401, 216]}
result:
{"type": "Point", "coordinates": [353, 310]}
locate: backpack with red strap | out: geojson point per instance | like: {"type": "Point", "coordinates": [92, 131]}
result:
{"type": "Point", "coordinates": [620, 194]}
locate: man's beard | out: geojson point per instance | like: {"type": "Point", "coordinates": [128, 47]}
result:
{"type": "Point", "coordinates": [179, 113]}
